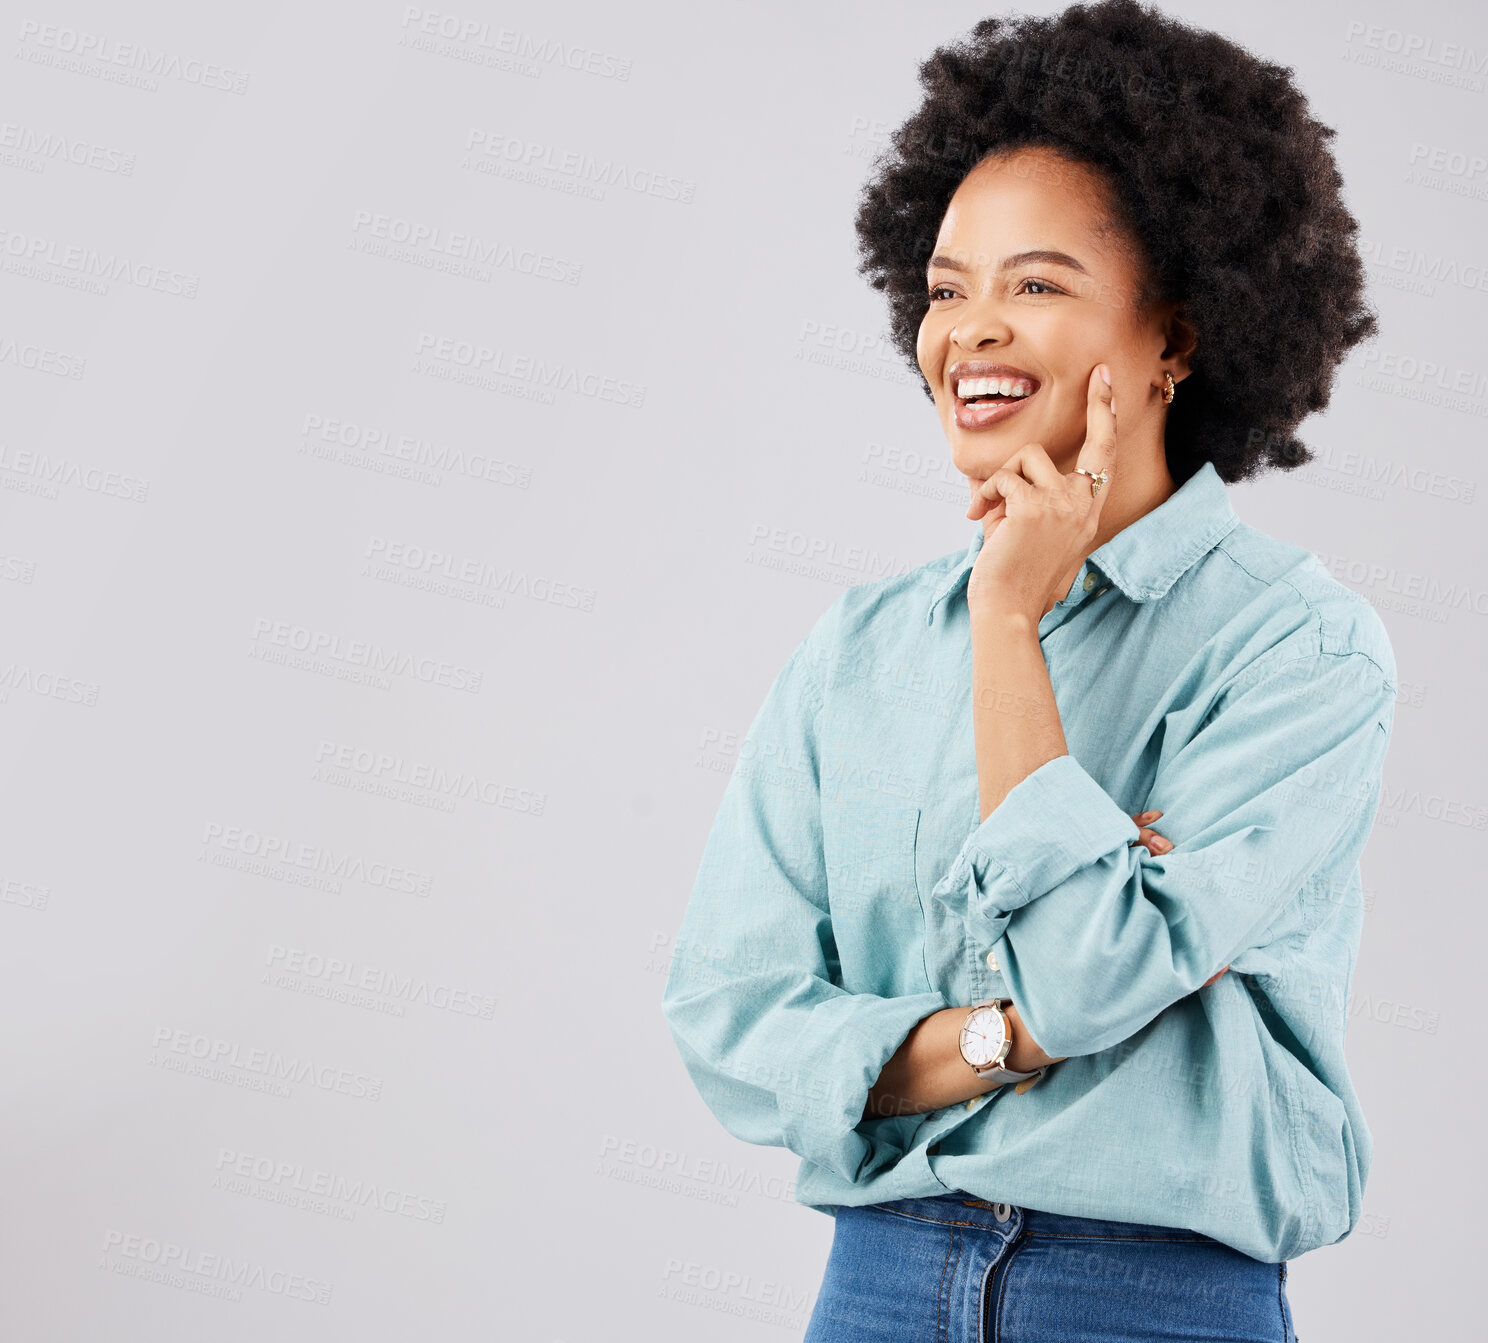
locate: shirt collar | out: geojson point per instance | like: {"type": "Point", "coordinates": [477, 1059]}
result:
{"type": "Point", "coordinates": [1148, 556]}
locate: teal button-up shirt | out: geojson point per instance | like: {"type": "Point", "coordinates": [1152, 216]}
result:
{"type": "Point", "coordinates": [849, 888]}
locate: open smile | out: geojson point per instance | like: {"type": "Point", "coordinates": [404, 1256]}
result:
{"type": "Point", "coordinates": [986, 394]}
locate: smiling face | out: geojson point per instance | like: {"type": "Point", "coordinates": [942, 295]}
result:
{"type": "Point", "coordinates": [1030, 286]}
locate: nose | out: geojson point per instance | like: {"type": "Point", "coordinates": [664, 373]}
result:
{"type": "Point", "coordinates": [980, 322]}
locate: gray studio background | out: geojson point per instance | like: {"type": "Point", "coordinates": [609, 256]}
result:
{"type": "Point", "coordinates": [365, 698]}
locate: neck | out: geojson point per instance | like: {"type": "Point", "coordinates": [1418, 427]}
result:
{"type": "Point", "coordinates": [1144, 485]}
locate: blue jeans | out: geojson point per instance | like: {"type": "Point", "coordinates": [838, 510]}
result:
{"type": "Point", "coordinates": [957, 1269]}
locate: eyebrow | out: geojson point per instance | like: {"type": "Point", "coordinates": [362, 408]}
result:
{"type": "Point", "coordinates": [1017, 259]}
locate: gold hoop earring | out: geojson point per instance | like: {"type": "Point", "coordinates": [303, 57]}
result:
{"type": "Point", "coordinates": [1170, 391]}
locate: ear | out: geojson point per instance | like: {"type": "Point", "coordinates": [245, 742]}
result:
{"type": "Point", "coordinates": [1180, 339]}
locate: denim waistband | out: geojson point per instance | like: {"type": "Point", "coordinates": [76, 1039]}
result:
{"type": "Point", "coordinates": [1001, 1218]}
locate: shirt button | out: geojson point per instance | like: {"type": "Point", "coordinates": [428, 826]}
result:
{"type": "Point", "coordinates": [1091, 579]}
{"type": "Point", "coordinates": [933, 1149]}
{"type": "Point", "coordinates": [992, 961]}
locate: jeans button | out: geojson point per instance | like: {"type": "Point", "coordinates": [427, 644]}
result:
{"type": "Point", "coordinates": [1002, 1211]}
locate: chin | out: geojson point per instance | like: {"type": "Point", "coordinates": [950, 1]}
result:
{"type": "Point", "coordinates": [980, 452]}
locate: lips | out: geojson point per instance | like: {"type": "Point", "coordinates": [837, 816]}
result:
{"type": "Point", "coordinates": [989, 405]}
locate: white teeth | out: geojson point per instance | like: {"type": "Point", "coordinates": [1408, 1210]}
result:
{"type": "Point", "coordinates": [1016, 387]}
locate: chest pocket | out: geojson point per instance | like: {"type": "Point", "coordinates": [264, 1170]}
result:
{"type": "Point", "coordinates": [877, 922]}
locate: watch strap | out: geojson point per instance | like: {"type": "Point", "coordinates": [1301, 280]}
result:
{"type": "Point", "coordinates": [996, 1074]}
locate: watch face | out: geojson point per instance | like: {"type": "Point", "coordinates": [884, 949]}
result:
{"type": "Point", "coordinates": [982, 1037]}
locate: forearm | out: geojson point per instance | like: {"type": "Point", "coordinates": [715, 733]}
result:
{"type": "Point", "coordinates": [1014, 713]}
{"type": "Point", "coordinates": [1017, 727]}
{"type": "Point", "coordinates": [927, 1071]}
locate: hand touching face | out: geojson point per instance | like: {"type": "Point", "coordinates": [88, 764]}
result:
{"type": "Point", "coordinates": [1041, 522]}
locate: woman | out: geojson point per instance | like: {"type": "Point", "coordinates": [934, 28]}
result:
{"type": "Point", "coordinates": [1056, 1075]}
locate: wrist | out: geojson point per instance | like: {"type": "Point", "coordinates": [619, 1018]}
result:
{"type": "Point", "coordinates": [1025, 1055]}
{"type": "Point", "coordinates": [1021, 1054]}
{"type": "Point", "coordinates": [1001, 605]}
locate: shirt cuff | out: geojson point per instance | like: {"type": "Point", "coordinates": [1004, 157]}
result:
{"type": "Point", "coordinates": [832, 1066]}
{"type": "Point", "coordinates": [1052, 824]}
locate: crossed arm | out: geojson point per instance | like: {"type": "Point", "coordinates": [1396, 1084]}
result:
{"type": "Point", "coordinates": [1017, 728]}
{"type": "Point", "coordinates": [1095, 933]}
{"type": "Point", "coordinates": [928, 1072]}
{"type": "Point", "coordinates": [1129, 936]}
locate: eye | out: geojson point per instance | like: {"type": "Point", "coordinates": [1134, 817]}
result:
{"type": "Point", "coordinates": [941, 289]}
{"type": "Point", "coordinates": [1042, 287]}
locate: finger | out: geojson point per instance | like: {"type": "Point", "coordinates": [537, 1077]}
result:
{"type": "Point", "coordinates": [981, 505]}
{"type": "Point", "coordinates": [1098, 452]}
{"type": "Point", "coordinates": [1052, 483]}
{"type": "Point", "coordinates": [992, 515]}
{"type": "Point", "coordinates": [1004, 485]}
{"type": "Point", "coordinates": [1031, 464]}
{"type": "Point", "coordinates": [977, 484]}
{"type": "Point", "coordinates": [1213, 977]}
{"type": "Point", "coordinates": [1145, 817]}
{"type": "Point", "coordinates": [1152, 841]}
{"type": "Point", "coordinates": [1035, 463]}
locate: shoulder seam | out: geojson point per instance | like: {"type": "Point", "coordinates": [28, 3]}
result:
{"type": "Point", "coordinates": [1389, 681]}
{"type": "Point", "coordinates": [1222, 545]}
{"type": "Point", "coordinates": [1314, 610]}
{"type": "Point", "coordinates": [1313, 655]}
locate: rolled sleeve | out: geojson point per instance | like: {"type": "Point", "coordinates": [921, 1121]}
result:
{"type": "Point", "coordinates": [780, 1052]}
{"type": "Point", "coordinates": [1051, 824]}
{"type": "Point", "coordinates": [840, 1051]}
{"type": "Point", "coordinates": [1095, 937]}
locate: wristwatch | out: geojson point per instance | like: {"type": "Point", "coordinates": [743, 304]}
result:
{"type": "Point", "coordinates": [986, 1039]}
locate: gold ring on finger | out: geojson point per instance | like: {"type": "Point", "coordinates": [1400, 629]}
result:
{"type": "Point", "coordinates": [1096, 481]}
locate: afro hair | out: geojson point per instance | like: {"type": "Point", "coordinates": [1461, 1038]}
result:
{"type": "Point", "coordinates": [1220, 174]}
